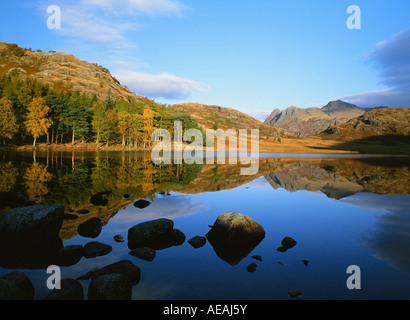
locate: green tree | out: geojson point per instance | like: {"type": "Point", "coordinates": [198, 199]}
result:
{"type": "Point", "coordinates": [8, 120]}
{"type": "Point", "coordinates": [78, 119]}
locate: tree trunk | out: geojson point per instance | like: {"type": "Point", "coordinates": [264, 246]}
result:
{"type": "Point", "coordinates": [34, 142]}
{"type": "Point", "coordinates": [72, 140]}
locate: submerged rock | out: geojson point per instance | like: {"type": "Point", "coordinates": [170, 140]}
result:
{"type": "Point", "coordinates": [119, 238]}
{"type": "Point", "coordinates": [234, 235]}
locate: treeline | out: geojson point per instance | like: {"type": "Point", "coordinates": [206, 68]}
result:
{"type": "Point", "coordinates": [31, 110]}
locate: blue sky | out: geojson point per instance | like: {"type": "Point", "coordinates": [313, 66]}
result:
{"type": "Point", "coordinates": [254, 56]}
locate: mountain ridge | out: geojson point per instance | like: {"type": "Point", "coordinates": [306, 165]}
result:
{"type": "Point", "coordinates": [313, 120]}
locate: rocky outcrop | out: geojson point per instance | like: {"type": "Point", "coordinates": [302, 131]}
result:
{"type": "Point", "coordinates": [377, 122]}
{"type": "Point", "coordinates": [65, 71]}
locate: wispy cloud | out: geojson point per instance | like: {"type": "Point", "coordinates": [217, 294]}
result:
{"type": "Point", "coordinates": [110, 20]}
{"type": "Point", "coordinates": [391, 58]}
{"type": "Point", "coordinates": [162, 85]}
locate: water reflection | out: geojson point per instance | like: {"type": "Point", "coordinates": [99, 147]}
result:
{"type": "Point", "coordinates": [118, 190]}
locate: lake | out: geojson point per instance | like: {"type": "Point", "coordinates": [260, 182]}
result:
{"type": "Point", "coordinates": [341, 210]}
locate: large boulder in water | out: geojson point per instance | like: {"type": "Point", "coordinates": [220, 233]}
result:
{"type": "Point", "coordinates": [156, 234]}
{"type": "Point", "coordinates": [234, 235]}
{"type": "Point", "coordinates": [32, 223]}
{"type": "Point", "coordinates": [29, 236]}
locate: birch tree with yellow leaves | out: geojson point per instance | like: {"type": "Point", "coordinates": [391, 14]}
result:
{"type": "Point", "coordinates": [37, 122]}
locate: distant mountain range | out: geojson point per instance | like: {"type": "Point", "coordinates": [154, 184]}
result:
{"type": "Point", "coordinates": [311, 121]}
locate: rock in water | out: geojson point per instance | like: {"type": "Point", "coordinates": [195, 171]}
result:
{"type": "Point", "coordinates": [90, 228]}
{"type": "Point", "coordinates": [287, 243]}
{"type": "Point", "coordinates": [114, 286]}
{"type": "Point", "coordinates": [237, 227]}
{"type": "Point", "coordinates": [147, 254]}
{"type": "Point", "coordinates": [141, 204]}
{"type": "Point", "coordinates": [125, 267]}
{"type": "Point", "coordinates": [70, 289]}
{"type": "Point", "coordinates": [197, 241]}
{"type": "Point", "coordinates": [29, 236]}
{"type": "Point", "coordinates": [31, 224]}
{"type": "Point", "coordinates": [156, 234]}
{"type": "Point", "coordinates": [16, 286]}
{"type": "Point", "coordinates": [96, 249]}
{"type": "Point", "coordinates": [234, 235]}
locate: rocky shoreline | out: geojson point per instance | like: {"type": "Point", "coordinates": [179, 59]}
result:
{"type": "Point", "coordinates": [29, 239]}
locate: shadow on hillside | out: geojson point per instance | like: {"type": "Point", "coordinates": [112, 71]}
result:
{"type": "Point", "coordinates": [386, 144]}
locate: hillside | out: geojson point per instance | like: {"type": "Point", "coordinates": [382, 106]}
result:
{"type": "Point", "coordinates": [376, 122]}
{"type": "Point", "coordinates": [311, 121]}
{"type": "Point", "coordinates": [64, 71]}
{"type": "Point", "coordinates": [226, 118]}
{"type": "Point", "coordinates": [377, 129]}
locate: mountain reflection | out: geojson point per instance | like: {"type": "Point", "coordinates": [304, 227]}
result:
{"type": "Point", "coordinates": [72, 179]}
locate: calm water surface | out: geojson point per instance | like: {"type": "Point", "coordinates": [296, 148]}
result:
{"type": "Point", "coordinates": [341, 211]}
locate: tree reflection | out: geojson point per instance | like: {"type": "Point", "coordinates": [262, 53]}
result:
{"type": "Point", "coordinates": [8, 175]}
{"type": "Point", "coordinates": [36, 178]}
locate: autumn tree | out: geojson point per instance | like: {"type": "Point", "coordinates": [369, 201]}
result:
{"type": "Point", "coordinates": [124, 125]}
{"type": "Point", "coordinates": [148, 126]}
{"type": "Point", "coordinates": [112, 119]}
{"type": "Point", "coordinates": [37, 122]}
{"type": "Point", "coordinates": [8, 120]}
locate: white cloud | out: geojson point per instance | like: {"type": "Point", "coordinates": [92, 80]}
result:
{"type": "Point", "coordinates": [162, 85]}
